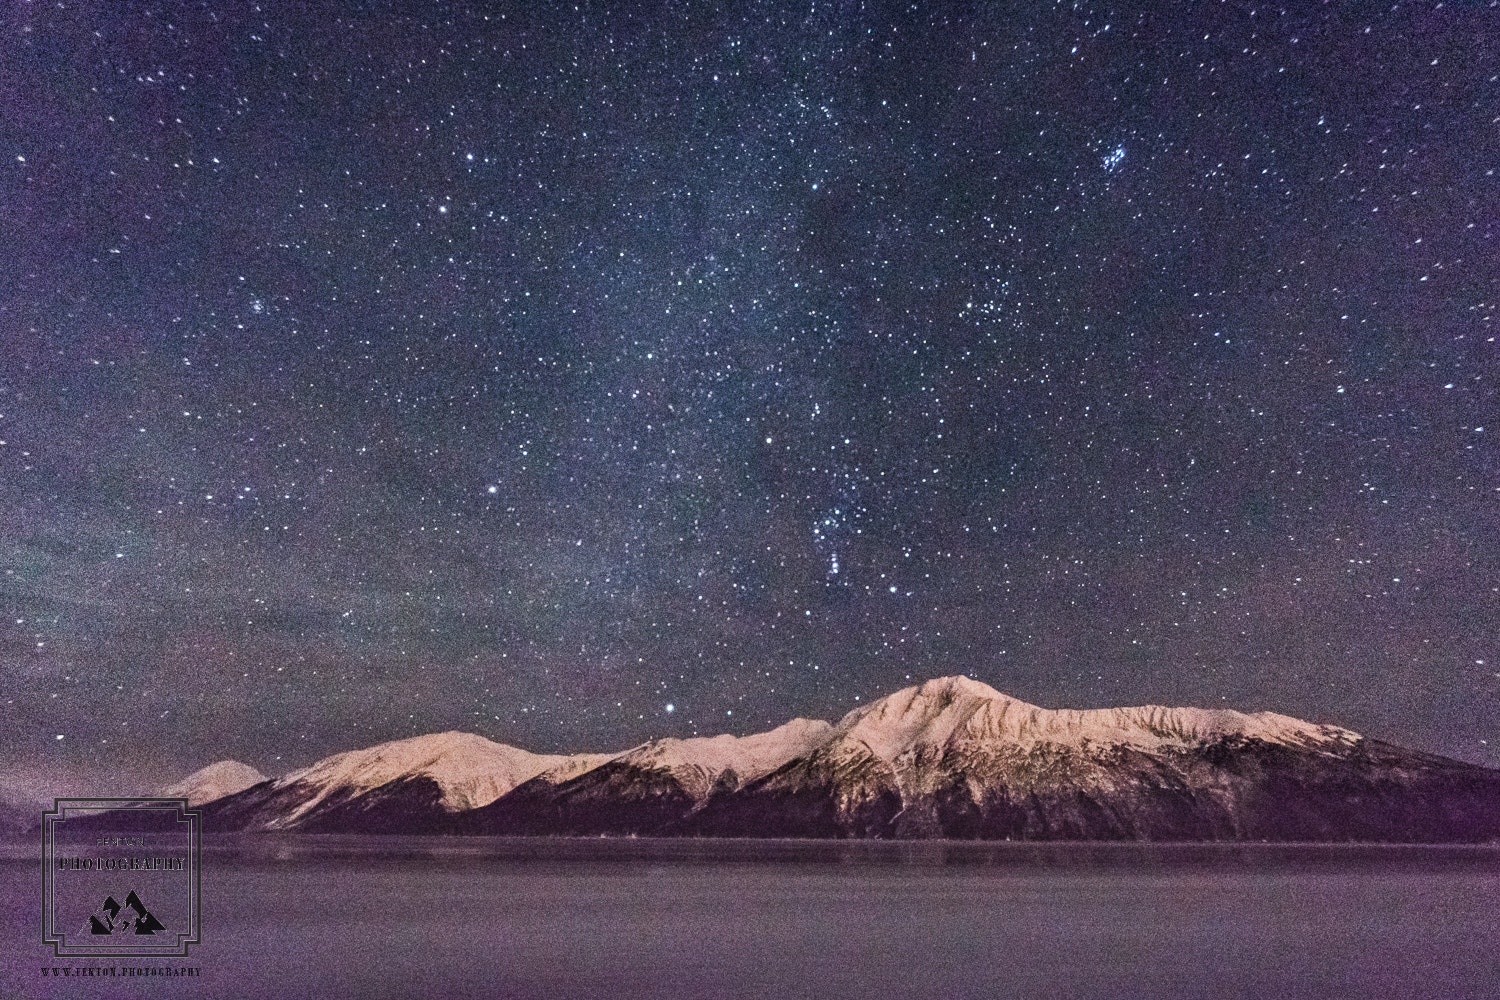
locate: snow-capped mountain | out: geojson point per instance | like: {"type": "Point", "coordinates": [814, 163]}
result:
{"type": "Point", "coordinates": [958, 710]}
{"type": "Point", "coordinates": [948, 758]}
{"type": "Point", "coordinates": [956, 758]}
{"type": "Point", "coordinates": [418, 781]}
{"type": "Point", "coordinates": [648, 787]}
{"type": "Point", "coordinates": [214, 782]}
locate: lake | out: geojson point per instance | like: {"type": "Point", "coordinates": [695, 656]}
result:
{"type": "Point", "coordinates": [312, 916]}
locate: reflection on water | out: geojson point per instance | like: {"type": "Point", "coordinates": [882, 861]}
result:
{"type": "Point", "coordinates": [419, 916]}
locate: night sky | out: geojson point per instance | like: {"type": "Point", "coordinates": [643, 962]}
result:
{"type": "Point", "coordinates": [575, 375]}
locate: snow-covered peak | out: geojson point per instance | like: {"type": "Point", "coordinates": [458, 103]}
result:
{"type": "Point", "coordinates": [951, 710]}
{"type": "Point", "coordinates": [471, 770]}
{"type": "Point", "coordinates": [214, 782]}
{"type": "Point", "coordinates": [749, 756]}
{"type": "Point", "coordinates": [931, 713]}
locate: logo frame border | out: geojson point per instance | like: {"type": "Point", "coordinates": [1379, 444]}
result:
{"type": "Point", "coordinates": [58, 814]}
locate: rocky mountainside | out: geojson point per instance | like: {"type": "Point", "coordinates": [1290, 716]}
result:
{"type": "Point", "coordinates": [948, 758]}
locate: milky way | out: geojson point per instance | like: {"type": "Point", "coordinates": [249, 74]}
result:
{"type": "Point", "coordinates": [576, 375]}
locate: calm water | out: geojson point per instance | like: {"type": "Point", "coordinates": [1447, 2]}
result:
{"type": "Point", "coordinates": [436, 917]}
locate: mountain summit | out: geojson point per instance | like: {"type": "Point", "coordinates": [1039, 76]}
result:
{"type": "Point", "coordinates": [958, 710]}
{"type": "Point", "coordinates": [214, 782]}
{"type": "Point", "coordinates": [948, 758]}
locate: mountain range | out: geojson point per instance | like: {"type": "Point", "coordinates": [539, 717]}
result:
{"type": "Point", "coordinates": [948, 758]}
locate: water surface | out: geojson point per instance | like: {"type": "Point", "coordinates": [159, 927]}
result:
{"type": "Point", "coordinates": [398, 917]}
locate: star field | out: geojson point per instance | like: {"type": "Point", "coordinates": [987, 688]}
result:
{"type": "Point", "coordinates": [577, 375]}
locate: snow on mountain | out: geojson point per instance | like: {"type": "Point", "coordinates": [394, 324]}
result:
{"type": "Point", "coordinates": [572, 767]}
{"type": "Point", "coordinates": [699, 760]}
{"type": "Point", "coordinates": [390, 785]}
{"type": "Point", "coordinates": [948, 758]}
{"type": "Point", "coordinates": [952, 710]}
{"type": "Point", "coordinates": [956, 758]}
{"type": "Point", "coordinates": [471, 770]}
{"type": "Point", "coordinates": [648, 787]}
{"type": "Point", "coordinates": [215, 781]}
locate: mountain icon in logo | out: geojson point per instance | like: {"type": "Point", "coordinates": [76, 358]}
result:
{"type": "Point", "coordinates": [132, 918]}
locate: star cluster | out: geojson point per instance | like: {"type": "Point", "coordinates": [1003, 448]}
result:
{"type": "Point", "coordinates": [580, 374]}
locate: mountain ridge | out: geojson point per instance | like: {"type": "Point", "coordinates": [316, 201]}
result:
{"type": "Point", "coordinates": [950, 757]}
